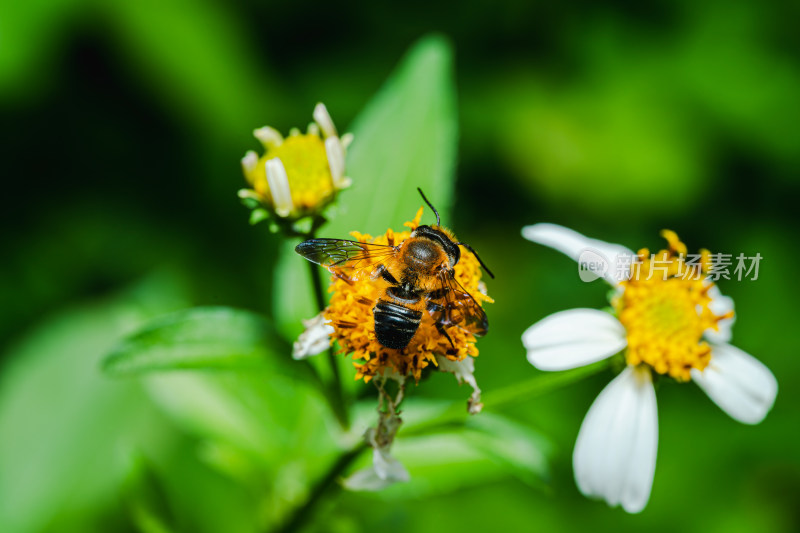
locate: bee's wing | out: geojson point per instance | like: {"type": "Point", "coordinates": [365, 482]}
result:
{"type": "Point", "coordinates": [456, 307]}
{"type": "Point", "coordinates": [353, 258]}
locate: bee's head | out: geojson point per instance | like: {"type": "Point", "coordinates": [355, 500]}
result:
{"type": "Point", "coordinates": [440, 238]}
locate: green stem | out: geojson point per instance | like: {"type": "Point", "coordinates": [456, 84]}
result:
{"type": "Point", "coordinates": [301, 514]}
{"type": "Point", "coordinates": [541, 384]}
{"type": "Point", "coordinates": [335, 390]}
{"type": "Point", "coordinates": [455, 415]}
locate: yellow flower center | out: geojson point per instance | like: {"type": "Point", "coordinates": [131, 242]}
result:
{"type": "Point", "coordinates": [665, 310]}
{"type": "Point", "coordinates": [306, 163]}
{"type": "Point", "coordinates": [350, 312]}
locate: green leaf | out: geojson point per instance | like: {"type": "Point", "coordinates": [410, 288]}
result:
{"type": "Point", "coordinates": [67, 429]}
{"type": "Point", "coordinates": [405, 138]}
{"type": "Point", "coordinates": [268, 433]}
{"type": "Point", "coordinates": [211, 405]}
{"type": "Point", "coordinates": [31, 32]}
{"type": "Point", "coordinates": [254, 425]}
{"type": "Point", "coordinates": [146, 499]}
{"type": "Point", "coordinates": [203, 337]}
{"type": "Point", "coordinates": [519, 449]}
{"type": "Point", "coordinates": [194, 496]}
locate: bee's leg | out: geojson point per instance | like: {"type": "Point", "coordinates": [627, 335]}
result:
{"type": "Point", "coordinates": [344, 324]}
{"type": "Point", "coordinates": [442, 331]}
{"type": "Point", "coordinates": [365, 301]}
{"type": "Point", "coordinates": [383, 272]}
{"type": "Point", "coordinates": [338, 274]}
{"type": "Point", "coordinates": [437, 312]}
{"type": "Point", "coordinates": [438, 294]}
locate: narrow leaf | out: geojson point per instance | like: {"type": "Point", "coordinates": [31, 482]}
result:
{"type": "Point", "coordinates": [405, 138]}
{"type": "Point", "coordinates": [210, 338]}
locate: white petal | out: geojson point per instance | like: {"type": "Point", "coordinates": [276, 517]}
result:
{"type": "Point", "coordinates": [615, 455]}
{"type": "Point", "coordinates": [385, 471]}
{"type": "Point", "coordinates": [720, 305]}
{"type": "Point", "coordinates": [573, 338]}
{"type": "Point", "coordinates": [314, 340]}
{"type": "Point", "coordinates": [278, 183]}
{"type": "Point", "coordinates": [323, 118]}
{"type": "Point", "coordinates": [269, 137]}
{"type": "Point", "coordinates": [335, 153]}
{"type": "Point", "coordinates": [249, 162]}
{"type": "Point", "coordinates": [581, 248]}
{"type": "Point", "coordinates": [347, 140]}
{"type": "Point", "coordinates": [464, 371]}
{"type": "Point", "coordinates": [739, 383]}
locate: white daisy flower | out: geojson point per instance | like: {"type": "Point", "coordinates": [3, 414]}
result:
{"type": "Point", "coordinates": [669, 318]}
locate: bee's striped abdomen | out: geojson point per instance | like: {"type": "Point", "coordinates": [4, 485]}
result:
{"type": "Point", "coordinates": [395, 325]}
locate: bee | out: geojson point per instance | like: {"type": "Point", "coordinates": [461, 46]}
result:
{"type": "Point", "coordinates": [417, 275]}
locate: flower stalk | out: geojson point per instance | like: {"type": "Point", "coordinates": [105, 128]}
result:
{"type": "Point", "coordinates": [326, 483]}
{"type": "Point", "coordinates": [334, 390]}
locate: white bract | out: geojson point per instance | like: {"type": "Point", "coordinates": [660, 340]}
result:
{"type": "Point", "coordinates": [464, 371]}
{"type": "Point", "coordinates": [385, 471]}
{"type": "Point", "coordinates": [315, 339]}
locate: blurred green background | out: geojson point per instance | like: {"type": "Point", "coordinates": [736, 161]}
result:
{"type": "Point", "coordinates": [123, 125]}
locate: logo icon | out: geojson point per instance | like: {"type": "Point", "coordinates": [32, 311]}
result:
{"type": "Point", "coordinates": [592, 265]}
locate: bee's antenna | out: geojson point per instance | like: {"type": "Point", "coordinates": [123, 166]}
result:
{"type": "Point", "coordinates": [438, 223]}
{"type": "Point", "coordinates": [468, 247]}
